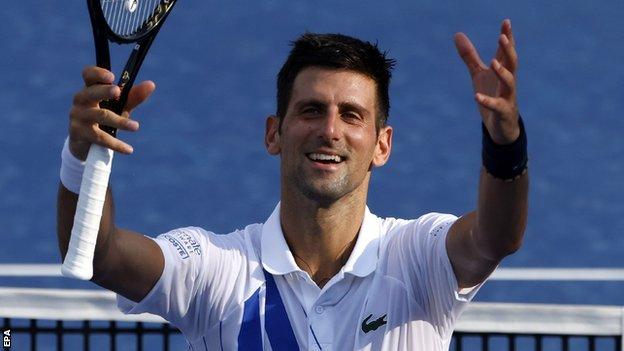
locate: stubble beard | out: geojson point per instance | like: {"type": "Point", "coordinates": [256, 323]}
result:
{"type": "Point", "coordinates": [322, 191]}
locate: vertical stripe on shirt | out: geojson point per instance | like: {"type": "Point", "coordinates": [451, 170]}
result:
{"type": "Point", "coordinates": [221, 334]}
{"type": "Point", "coordinates": [250, 335]}
{"type": "Point", "coordinates": [277, 324]}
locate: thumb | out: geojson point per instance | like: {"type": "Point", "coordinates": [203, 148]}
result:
{"type": "Point", "coordinates": [468, 53]}
{"type": "Point", "coordinates": [138, 94]}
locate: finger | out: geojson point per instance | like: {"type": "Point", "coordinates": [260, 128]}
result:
{"type": "Point", "coordinates": [506, 77]}
{"type": "Point", "coordinates": [102, 138]}
{"type": "Point", "coordinates": [89, 133]}
{"type": "Point", "coordinates": [508, 54]}
{"type": "Point", "coordinates": [97, 75]}
{"type": "Point", "coordinates": [138, 94]}
{"type": "Point", "coordinates": [469, 54]}
{"type": "Point", "coordinates": [506, 30]}
{"type": "Point", "coordinates": [498, 105]}
{"type": "Point", "coordinates": [108, 118]}
{"type": "Point", "coordinates": [92, 95]}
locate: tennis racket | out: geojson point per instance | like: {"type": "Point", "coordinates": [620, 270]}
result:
{"type": "Point", "coordinates": [123, 22]}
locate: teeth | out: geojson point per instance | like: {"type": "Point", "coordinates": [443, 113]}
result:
{"type": "Point", "coordinates": [324, 157]}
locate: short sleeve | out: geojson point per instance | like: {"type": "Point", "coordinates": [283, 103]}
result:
{"type": "Point", "coordinates": [419, 257]}
{"type": "Point", "coordinates": [201, 271]}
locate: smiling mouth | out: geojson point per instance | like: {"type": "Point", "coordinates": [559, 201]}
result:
{"type": "Point", "coordinates": [324, 158]}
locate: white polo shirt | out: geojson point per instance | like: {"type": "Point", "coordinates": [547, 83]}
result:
{"type": "Point", "coordinates": [397, 291]}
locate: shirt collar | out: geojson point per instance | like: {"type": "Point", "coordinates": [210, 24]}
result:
{"type": "Point", "coordinates": [363, 259]}
{"type": "Point", "coordinates": [278, 259]}
{"type": "Point", "coordinates": [276, 255]}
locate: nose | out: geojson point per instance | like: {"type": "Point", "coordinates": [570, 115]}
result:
{"type": "Point", "coordinates": [330, 128]}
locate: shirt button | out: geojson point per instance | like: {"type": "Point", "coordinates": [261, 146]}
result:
{"type": "Point", "coordinates": [319, 309]}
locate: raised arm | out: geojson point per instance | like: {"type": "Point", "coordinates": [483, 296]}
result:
{"type": "Point", "coordinates": [479, 240]}
{"type": "Point", "coordinates": [125, 262]}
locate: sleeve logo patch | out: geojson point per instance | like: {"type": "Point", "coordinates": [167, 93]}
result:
{"type": "Point", "coordinates": [440, 228]}
{"type": "Point", "coordinates": [184, 244]}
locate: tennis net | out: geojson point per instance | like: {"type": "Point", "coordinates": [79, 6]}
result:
{"type": "Point", "coordinates": [71, 319]}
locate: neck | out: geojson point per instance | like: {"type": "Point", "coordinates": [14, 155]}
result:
{"type": "Point", "coordinates": [322, 238]}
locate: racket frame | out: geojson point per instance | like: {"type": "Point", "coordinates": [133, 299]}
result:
{"type": "Point", "coordinates": [143, 38]}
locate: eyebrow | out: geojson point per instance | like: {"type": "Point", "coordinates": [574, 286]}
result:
{"type": "Point", "coordinates": [309, 102]}
{"type": "Point", "coordinates": [320, 104]}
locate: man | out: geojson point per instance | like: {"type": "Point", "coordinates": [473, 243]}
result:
{"type": "Point", "coordinates": [322, 273]}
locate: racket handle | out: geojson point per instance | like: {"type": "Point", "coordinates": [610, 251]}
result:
{"type": "Point", "coordinates": [78, 261]}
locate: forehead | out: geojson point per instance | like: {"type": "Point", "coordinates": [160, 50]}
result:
{"type": "Point", "coordinates": [334, 86]}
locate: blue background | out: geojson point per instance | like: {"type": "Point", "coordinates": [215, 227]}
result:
{"type": "Point", "coordinates": [199, 157]}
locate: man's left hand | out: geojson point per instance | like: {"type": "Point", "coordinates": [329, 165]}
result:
{"type": "Point", "coordinates": [495, 85]}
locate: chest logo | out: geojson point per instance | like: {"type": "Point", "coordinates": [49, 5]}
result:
{"type": "Point", "coordinates": [373, 325]}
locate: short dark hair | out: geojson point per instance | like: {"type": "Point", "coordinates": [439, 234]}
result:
{"type": "Point", "coordinates": [336, 51]}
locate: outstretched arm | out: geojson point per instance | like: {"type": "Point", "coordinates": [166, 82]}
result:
{"type": "Point", "coordinates": [125, 262]}
{"type": "Point", "coordinates": [479, 240]}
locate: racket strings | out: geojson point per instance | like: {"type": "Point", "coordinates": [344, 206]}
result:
{"type": "Point", "coordinates": [127, 17]}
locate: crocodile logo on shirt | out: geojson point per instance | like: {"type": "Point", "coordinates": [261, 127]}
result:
{"type": "Point", "coordinates": [368, 327]}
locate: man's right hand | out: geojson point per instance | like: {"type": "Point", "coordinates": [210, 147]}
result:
{"type": "Point", "coordinates": [86, 115]}
{"type": "Point", "coordinates": [125, 261]}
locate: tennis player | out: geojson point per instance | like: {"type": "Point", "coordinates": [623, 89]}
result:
{"type": "Point", "coordinates": [323, 272]}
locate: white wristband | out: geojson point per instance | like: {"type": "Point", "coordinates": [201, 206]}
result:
{"type": "Point", "coordinates": [71, 169]}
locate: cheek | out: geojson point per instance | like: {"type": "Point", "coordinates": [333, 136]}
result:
{"type": "Point", "coordinates": [364, 141]}
{"type": "Point", "coordinates": [295, 128]}
{"type": "Point", "coordinates": [291, 138]}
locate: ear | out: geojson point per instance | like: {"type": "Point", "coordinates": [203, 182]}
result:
{"type": "Point", "coordinates": [272, 136]}
{"type": "Point", "coordinates": [384, 147]}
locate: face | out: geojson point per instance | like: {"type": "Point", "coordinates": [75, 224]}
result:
{"type": "Point", "coordinates": [328, 142]}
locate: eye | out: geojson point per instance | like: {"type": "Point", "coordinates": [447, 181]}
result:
{"type": "Point", "coordinates": [351, 115]}
{"type": "Point", "coordinates": [311, 110]}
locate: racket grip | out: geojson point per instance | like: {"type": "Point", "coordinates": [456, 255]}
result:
{"type": "Point", "coordinates": [78, 261]}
